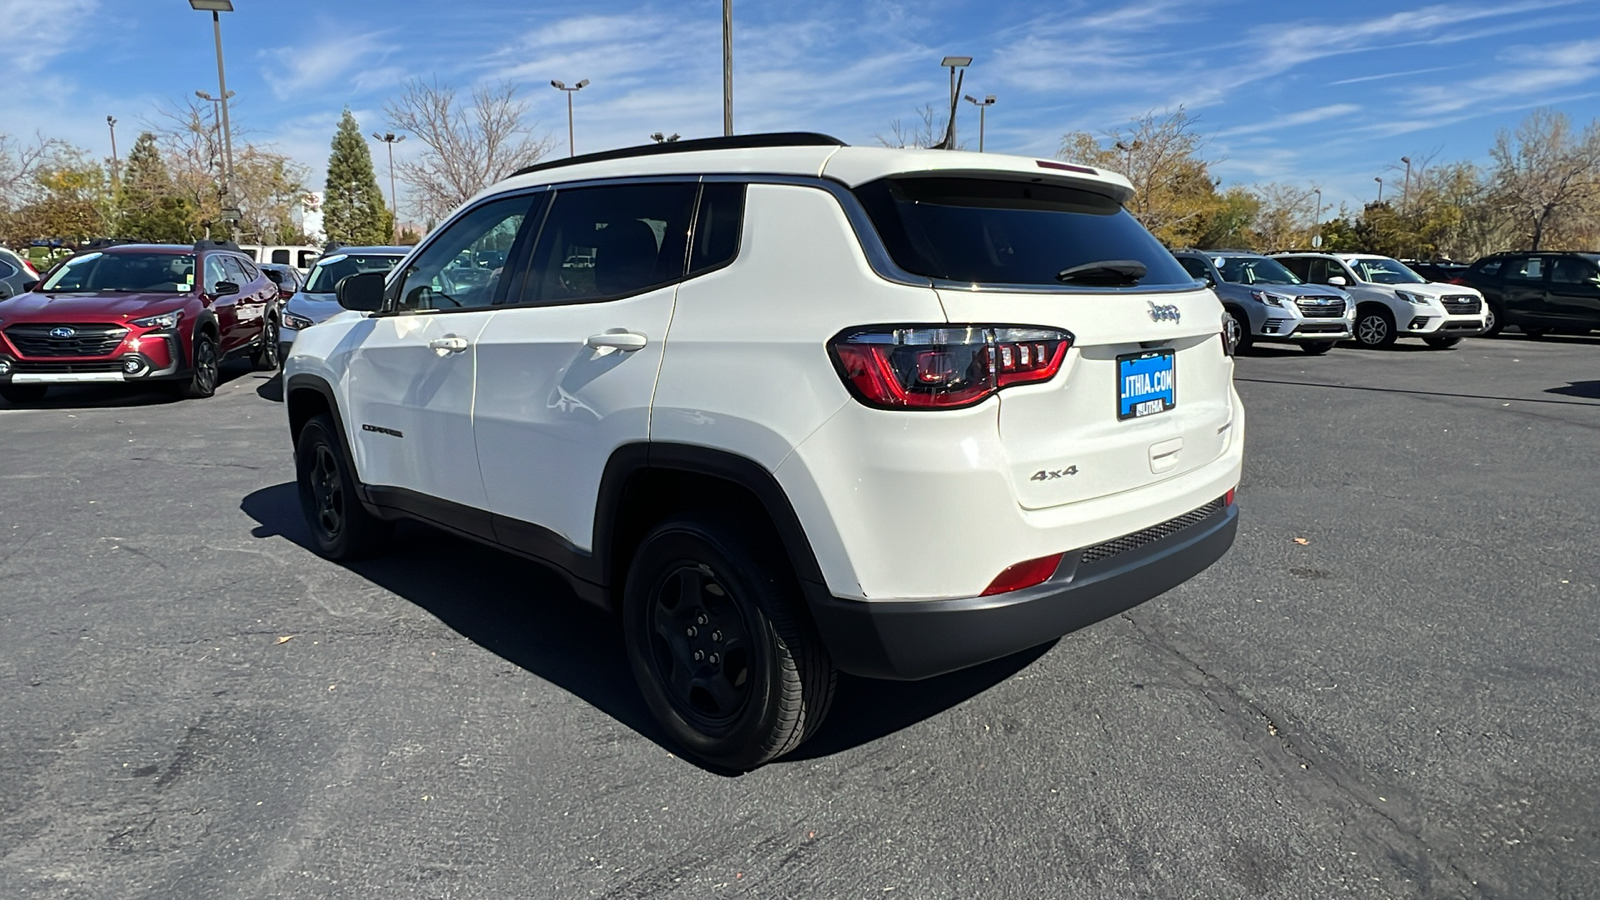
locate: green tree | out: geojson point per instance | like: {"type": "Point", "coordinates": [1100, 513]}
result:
{"type": "Point", "coordinates": [151, 210]}
{"type": "Point", "coordinates": [352, 206]}
{"type": "Point", "coordinates": [1175, 194]}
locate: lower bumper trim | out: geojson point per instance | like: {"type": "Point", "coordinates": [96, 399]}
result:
{"type": "Point", "coordinates": [910, 640]}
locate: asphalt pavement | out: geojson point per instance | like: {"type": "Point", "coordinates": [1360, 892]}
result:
{"type": "Point", "coordinates": [1386, 689]}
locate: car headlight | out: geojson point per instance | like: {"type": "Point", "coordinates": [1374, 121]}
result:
{"type": "Point", "coordinates": [1271, 299]}
{"type": "Point", "coordinates": [1412, 298]}
{"type": "Point", "coordinates": [298, 323]}
{"type": "Point", "coordinates": [165, 321]}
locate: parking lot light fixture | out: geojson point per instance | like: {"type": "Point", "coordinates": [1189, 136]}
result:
{"type": "Point", "coordinates": [983, 107]}
{"type": "Point", "coordinates": [562, 86]}
{"type": "Point", "coordinates": [953, 63]}
{"type": "Point", "coordinates": [215, 7]}
{"type": "Point", "coordinates": [1405, 190]}
{"type": "Point", "coordinates": [1379, 180]}
{"type": "Point", "coordinates": [391, 139]}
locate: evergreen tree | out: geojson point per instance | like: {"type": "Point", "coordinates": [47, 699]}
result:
{"type": "Point", "coordinates": [151, 208]}
{"type": "Point", "coordinates": [352, 207]}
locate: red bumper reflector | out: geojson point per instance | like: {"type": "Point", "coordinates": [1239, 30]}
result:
{"type": "Point", "coordinates": [1024, 574]}
{"type": "Point", "coordinates": [1227, 499]}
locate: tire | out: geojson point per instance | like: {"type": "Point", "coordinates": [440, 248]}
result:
{"type": "Point", "coordinates": [1494, 320]}
{"type": "Point", "coordinates": [265, 356]}
{"type": "Point", "coordinates": [204, 367]}
{"type": "Point", "coordinates": [1241, 324]}
{"type": "Point", "coordinates": [1317, 348]}
{"type": "Point", "coordinates": [762, 681]}
{"type": "Point", "coordinates": [341, 528]}
{"type": "Point", "coordinates": [20, 394]}
{"type": "Point", "coordinates": [1374, 328]}
{"type": "Point", "coordinates": [1441, 343]}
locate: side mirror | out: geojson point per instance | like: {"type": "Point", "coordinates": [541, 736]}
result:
{"type": "Point", "coordinates": [224, 288]}
{"type": "Point", "coordinates": [1337, 280]}
{"type": "Point", "coordinates": [362, 292]}
{"type": "Point", "coordinates": [29, 285]}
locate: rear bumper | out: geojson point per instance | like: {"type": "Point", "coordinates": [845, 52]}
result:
{"type": "Point", "coordinates": [908, 640]}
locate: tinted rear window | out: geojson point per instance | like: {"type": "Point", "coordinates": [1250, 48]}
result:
{"type": "Point", "coordinates": [985, 231]}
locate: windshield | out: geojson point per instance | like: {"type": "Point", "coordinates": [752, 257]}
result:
{"type": "Point", "coordinates": [1254, 270]}
{"type": "Point", "coordinates": [985, 231]}
{"type": "Point", "coordinates": [334, 269]}
{"type": "Point", "coordinates": [156, 273]}
{"type": "Point", "coordinates": [1382, 270]}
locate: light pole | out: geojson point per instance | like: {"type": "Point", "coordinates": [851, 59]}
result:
{"type": "Point", "coordinates": [391, 139]}
{"type": "Point", "coordinates": [1405, 192]}
{"type": "Point", "coordinates": [216, 119]}
{"type": "Point", "coordinates": [1127, 155]}
{"type": "Point", "coordinates": [562, 86]}
{"type": "Point", "coordinates": [112, 124]}
{"type": "Point", "coordinates": [983, 107]}
{"type": "Point", "coordinates": [1379, 180]}
{"type": "Point", "coordinates": [660, 138]}
{"type": "Point", "coordinates": [953, 63]}
{"type": "Point", "coordinates": [216, 7]}
{"type": "Point", "coordinates": [1316, 220]}
{"type": "Point", "coordinates": [727, 68]}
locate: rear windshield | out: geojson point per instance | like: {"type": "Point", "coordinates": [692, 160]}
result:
{"type": "Point", "coordinates": [157, 273]}
{"type": "Point", "coordinates": [334, 269]}
{"type": "Point", "coordinates": [984, 231]}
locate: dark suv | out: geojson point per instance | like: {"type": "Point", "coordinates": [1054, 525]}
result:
{"type": "Point", "coordinates": [1538, 292]}
{"type": "Point", "coordinates": [135, 313]}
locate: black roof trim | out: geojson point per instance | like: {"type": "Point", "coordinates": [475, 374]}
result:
{"type": "Point", "coordinates": [734, 142]}
{"type": "Point", "coordinates": [216, 245]}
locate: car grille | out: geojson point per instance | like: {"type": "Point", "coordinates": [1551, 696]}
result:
{"type": "Point", "coordinates": [1121, 545]}
{"type": "Point", "coordinates": [28, 367]}
{"type": "Point", "coordinates": [1321, 329]}
{"type": "Point", "coordinates": [1330, 308]}
{"type": "Point", "coordinates": [85, 340]}
{"type": "Point", "coordinates": [1462, 306]}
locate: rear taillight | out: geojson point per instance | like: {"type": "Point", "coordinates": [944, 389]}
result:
{"type": "Point", "coordinates": [1024, 575]}
{"type": "Point", "coordinates": [944, 367]}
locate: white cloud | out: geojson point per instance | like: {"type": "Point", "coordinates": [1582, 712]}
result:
{"type": "Point", "coordinates": [38, 32]}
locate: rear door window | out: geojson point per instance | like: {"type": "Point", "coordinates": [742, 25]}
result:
{"type": "Point", "coordinates": [609, 242]}
{"type": "Point", "coordinates": [1524, 268]}
{"type": "Point", "coordinates": [987, 231]}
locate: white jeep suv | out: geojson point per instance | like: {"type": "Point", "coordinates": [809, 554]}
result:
{"type": "Point", "coordinates": [789, 407]}
{"type": "Point", "coordinates": [1392, 301]}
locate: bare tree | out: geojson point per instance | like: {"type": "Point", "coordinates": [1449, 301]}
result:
{"type": "Point", "coordinates": [1162, 155]}
{"type": "Point", "coordinates": [1285, 218]}
{"type": "Point", "coordinates": [1548, 177]}
{"type": "Point", "coordinates": [925, 132]}
{"type": "Point", "coordinates": [470, 145]}
{"type": "Point", "coordinates": [267, 186]}
{"type": "Point", "coordinates": [21, 163]}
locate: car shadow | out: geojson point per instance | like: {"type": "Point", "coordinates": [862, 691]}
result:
{"type": "Point", "coordinates": [1589, 390]}
{"type": "Point", "coordinates": [528, 616]}
{"type": "Point", "coordinates": [125, 395]}
{"type": "Point", "coordinates": [271, 386]}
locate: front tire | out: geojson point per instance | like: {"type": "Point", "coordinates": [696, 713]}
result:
{"type": "Point", "coordinates": [1317, 348]}
{"type": "Point", "coordinates": [1241, 327]}
{"type": "Point", "coordinates": [720, 643]}
{"type": "Point", "coordinates": [1441, 343]}
{"type": "Point", "coordinates": [1494, 320]}
{"type": "Point", "coordinates": [22, 394]}
{"type": "Point", "coordinates": [341, 528]}
{"type": "Point", "coordinates": [1375, 328]}
{"type": "Point", "coordinates": [265, 357]}
{"type": "Point", "coordinates": [205, 366]}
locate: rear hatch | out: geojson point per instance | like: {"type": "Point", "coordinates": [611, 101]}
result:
{"type": "Point", "coordinates": [1144, 392]}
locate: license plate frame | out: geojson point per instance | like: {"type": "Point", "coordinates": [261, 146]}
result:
{"type": "Point", "coordinates": [1136, 405]}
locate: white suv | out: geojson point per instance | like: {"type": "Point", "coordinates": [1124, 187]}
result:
{"type": "Point", "coordinates": [1393, 301]}
{"type": "Point", "coordinates": [790, 407]}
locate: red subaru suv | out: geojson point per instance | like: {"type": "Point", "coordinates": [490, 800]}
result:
{"type": "Point", "coordinates": [137, 313]}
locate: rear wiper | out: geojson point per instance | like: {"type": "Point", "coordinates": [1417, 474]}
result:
{"type": "Point", "coordinates": [1109, 272]}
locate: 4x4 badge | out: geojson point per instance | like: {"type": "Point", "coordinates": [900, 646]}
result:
{"type": "Point", "coordinates": [1160, 312]}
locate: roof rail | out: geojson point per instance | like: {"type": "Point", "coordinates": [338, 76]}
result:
{"type": "Point", "coordinates": [98, 243]}
{"type": "Point", "coordinates": [215, 245]}
{"type": "Point", "coordinates": [733, 142]}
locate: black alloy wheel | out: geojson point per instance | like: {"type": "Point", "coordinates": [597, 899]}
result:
{"type": "Point", "coordinates": [1374, 328]}
{"type": "Point", "coordinates": [1317, 348]}
{"type": "Point", "coordinates": [341, 527]}
{"type": "Point", "coordinates": [202, 381]}
{"type": "Point", "coordinates": [265, 357]}
{"type": "Point", "coordinates": [720, 642]}
{"type": "Point", "coordinates": [23, 393]}
{"type": "Point", "coordinates": [1441, 342]}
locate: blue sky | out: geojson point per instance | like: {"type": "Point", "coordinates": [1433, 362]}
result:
{"type": "Point", "coordinates": [1329, 97]}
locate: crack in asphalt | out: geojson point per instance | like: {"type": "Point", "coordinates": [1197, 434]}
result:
{"type": "Point", "coordinates": [1407, 847]}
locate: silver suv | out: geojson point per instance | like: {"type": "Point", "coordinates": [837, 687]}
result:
{"type": "Point", "coordinates": [1267, 302]}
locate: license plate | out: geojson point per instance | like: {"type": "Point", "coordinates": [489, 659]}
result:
{"type": "Point", "coordinates": [1146, 384]}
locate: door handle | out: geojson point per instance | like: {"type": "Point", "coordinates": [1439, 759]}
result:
{"type": "Point", "coordinates": [447, 345]}
{"type": "Point", "coordinates": [617, 340]}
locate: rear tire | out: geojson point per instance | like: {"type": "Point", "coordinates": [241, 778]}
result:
{"type": "Point", "coordinates": [1374, 328]}
{"type": "Point", "coordinates": [720, 642]}
{"type": "Point", "coordinates": [1441, 343]}
{"type": "Point", "coordinates": [341, 527]}
{"type": "Point", "coordinates": [1241, 326]}
{"type": "Point", "coordinates": [20, 394]}
{"type": "Point", "coordinates": [1317, 348]}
